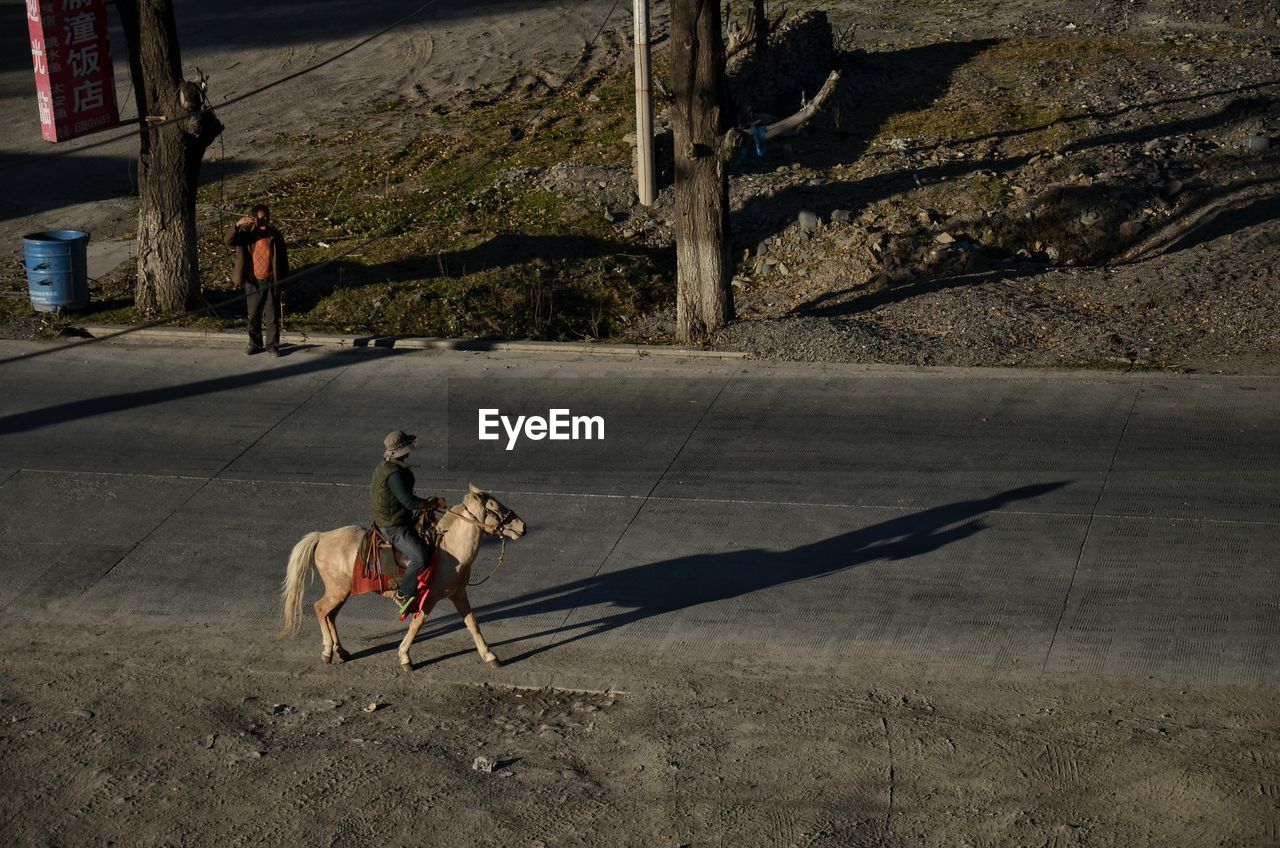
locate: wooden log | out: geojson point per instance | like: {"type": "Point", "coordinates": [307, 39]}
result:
{"type": "Point", "coordinates": [796, 122]}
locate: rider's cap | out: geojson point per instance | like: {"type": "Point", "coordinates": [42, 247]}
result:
{"type": "Point", "coordinates": [398, 443]}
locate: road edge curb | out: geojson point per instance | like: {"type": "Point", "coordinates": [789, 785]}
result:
{"type": "Point", "coordinates": [357, 342]}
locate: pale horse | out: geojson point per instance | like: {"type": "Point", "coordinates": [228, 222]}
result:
{"type": "Point", "coordinates": [333, 553]}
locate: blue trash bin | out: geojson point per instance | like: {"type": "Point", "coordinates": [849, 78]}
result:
{"type": "Point", "coordinates": [57, 270]}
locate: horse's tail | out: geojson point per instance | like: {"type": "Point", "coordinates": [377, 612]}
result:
{"type": "Point", "coordinates": [294, 586]}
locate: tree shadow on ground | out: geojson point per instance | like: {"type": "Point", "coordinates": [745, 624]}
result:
{"type": "Point", "coordinates": [1206, 216]}
{"type": "Point", "coordinates": [766, 216]}
{"type": "Point", "coordinates": [670, 585]}
{"type": "Point", "coordinates": [1209, 216]}
{"type": "Point", "coordinates": [1116, 114]}
{"type": "Point", "coordinates": [37, 183]}
{"type": "Point", "coordinates": [763, 217]}
{"type": "Point", "coordinates": [874, 87]}
{"type": "Point", "coordinates": [75, 410]}
{"type": "Point", "coordinates": [1208, 220]}
{"type": "Point", "coordinates": [504, 250]}
{"type": "Point", "coordinates": [848, 301]}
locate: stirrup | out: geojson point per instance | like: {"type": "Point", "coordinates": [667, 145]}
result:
{"type": "Point", "coordinates": [408, 602]}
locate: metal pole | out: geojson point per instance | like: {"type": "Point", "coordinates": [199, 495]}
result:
{"type": "Point", "coordinates": [646, 178]}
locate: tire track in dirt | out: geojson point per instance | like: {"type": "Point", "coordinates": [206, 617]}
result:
{"type": "Point", "coordinates": [1061, 763]}
{"type": "Point", "coordinates": [783, 827]}
{"type": "Point", "coordinates": [1268, 765]}
{"type": "Point", "coordinates": [331, 785]}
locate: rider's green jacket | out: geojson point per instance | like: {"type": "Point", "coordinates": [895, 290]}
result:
{"type": "Point", "coordinates": [392, 494]}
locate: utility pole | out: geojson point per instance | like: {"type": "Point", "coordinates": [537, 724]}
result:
{"type": "Point", "coordinates": [646, 178]}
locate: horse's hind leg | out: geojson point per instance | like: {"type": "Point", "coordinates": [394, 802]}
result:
{"type": "Point", "coordinates": [326, 609]}
{"type": "Point", "coordinates": [332, 618]}
{"type": "Point", "coordinates": [463, 603]}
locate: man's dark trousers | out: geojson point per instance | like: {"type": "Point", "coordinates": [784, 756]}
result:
{"type": "Point", "coordinates": [418, 552]}
{"type": "Point", "coordinates": [262, 300]}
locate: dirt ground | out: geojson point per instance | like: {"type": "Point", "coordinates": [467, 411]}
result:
{"type": "Point", "coordinates": [177, 733]}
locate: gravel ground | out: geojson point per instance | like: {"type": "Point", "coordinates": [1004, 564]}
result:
{"type": "Point", "coordinates": [1212, 307]}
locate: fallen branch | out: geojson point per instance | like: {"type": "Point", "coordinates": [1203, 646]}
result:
{"type": "Point", "coordinates": [796, 122]}
{"type": "Point", "coordinates": [735, 138]}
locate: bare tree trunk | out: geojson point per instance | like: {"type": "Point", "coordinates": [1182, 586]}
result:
{"type": "Point", "coordinates": [175, 134]}
{"type": "Point", "coordinates": [704, 142]}
{"type": "Point", "coordinates": [753, 32]}
{"type": "Point", "coordinates": [759, 26]}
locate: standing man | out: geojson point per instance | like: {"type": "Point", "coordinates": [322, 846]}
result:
{"type": "Point", "coordinates": [261, 262]}
{"type": "Point", "coordinates": [394, 505]}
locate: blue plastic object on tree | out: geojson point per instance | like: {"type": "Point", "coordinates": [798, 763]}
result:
{"type": "Point", "coordinates": [758, 135]}
{"type": "Point", "coordinates": [57, 270]}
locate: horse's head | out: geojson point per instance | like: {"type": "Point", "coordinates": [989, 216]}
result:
{"type": "Point", "coordinates": [497, 520]}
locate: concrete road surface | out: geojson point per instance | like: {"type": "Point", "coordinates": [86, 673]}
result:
{"type": "Point", "coordinates": [1005, 523]}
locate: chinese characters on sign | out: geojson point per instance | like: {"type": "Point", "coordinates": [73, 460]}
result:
{"type": "Point", "coordinates": [75, 89]}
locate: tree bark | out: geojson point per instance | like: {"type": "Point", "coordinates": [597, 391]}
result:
{"type": "Point", "coordinates": [704, 143]}
{"type": "Point", "coordinates": [753, 33]}
{"type": "Point", "coordinates": [759, 26]}
{"type": "Point", "coordinates": [175, 132]}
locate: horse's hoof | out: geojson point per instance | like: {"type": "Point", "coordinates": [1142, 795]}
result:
{"type": "Point", "coordinates": [492, 661]}
{"type": "Point", "coordinates": [406, 665]}
{"type": "Point", "coordinates": [342, 655]}
{"type": "Point", "coordinates": [326, 657]}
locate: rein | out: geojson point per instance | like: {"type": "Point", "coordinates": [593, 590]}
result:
{"type": "Point", "coordinates": [502, 555]}
{"type": "Point", "coordinates": [466, 516]}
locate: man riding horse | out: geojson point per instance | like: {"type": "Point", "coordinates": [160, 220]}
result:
{"type": "Point", "coordinates": [394, 506]}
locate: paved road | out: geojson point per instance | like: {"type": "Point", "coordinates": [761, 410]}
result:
{"type": "Point", "coordinates": [1005, 523]}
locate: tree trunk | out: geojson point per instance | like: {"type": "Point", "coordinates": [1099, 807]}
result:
{"type": "Point", "coordinates": [175, 134]}
{"type": "Point", "coordinates": [760, 26]}
{"type": "Point", "coordinates": [704, 142]}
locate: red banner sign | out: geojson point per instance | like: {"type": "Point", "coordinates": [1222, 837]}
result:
{"type": "Point", "coordinates": [75, 88]}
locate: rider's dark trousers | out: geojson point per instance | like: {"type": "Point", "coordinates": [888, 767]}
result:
{"type": "Point", "coordinates": [418, 552]}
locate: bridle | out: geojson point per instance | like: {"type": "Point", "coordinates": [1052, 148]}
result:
{"type": "Point", "coordinates": [503, 519]}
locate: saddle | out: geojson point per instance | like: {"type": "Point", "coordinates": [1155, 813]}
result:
{"type": "Point", "coordinates": [379, 566]}
{"type": "Point", "coordinates": [376, 565]}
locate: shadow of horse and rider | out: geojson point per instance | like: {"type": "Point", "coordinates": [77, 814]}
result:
{"type": "Point", "coordinates": [630, 595]}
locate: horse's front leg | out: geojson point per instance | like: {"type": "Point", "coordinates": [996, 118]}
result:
{"type": "Point", "coordinates": [463, 603]}
{"type": "Point", "coordinates": [415, 624]}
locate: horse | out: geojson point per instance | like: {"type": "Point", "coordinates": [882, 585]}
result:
{"type": "Point", "coordinates": [333, 554]}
